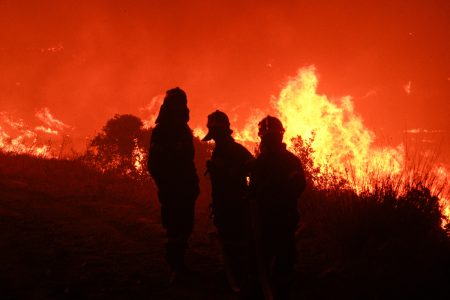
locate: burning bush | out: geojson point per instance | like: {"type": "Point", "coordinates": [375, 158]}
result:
{"type": "Point", "coordinates": [321, 177]}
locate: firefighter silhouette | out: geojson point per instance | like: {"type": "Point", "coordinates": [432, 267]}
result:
{"type": "Point", "coordinates": [171, 164]}
{"type": "Point", "coordinates": [276, 182]}
{"type": "Point", "coordinates": [228, 170]}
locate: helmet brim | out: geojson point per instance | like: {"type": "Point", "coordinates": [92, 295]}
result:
{"type": "Point", "coordinates": [207, 137]}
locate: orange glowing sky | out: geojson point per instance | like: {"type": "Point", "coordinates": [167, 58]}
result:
{"type": "Point", "coordinates": [87, 60]}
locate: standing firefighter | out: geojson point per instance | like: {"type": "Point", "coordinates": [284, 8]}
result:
{"type": "Point", "coordinates": [276, 182]}
{"type": "Point", "coordinates": [228, 169]}
{"type": "Point", "coordinates": [171, 164]}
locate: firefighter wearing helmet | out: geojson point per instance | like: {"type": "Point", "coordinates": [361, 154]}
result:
{"type": "Point", "coordinates": [228, 169]}
{"type": "Point", "coordinates": [276, 182]}
{"type": "Point", "coordinates": [171, 165]}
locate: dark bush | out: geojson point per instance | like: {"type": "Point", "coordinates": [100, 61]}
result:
{"type": "Point", "coordinates": [120, 147]}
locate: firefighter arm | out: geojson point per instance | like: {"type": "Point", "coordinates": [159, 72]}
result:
{"type": "Point", "coordinates": [296, 181]}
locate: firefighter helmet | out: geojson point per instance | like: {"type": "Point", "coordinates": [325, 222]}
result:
{"type": "Point", "coordinates": [270, 125]}
{"type": "Point", "coordinates": [217, 121]}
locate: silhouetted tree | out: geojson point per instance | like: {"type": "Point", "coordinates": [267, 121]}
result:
{"type": "Point", "coordinates": [121, 145]}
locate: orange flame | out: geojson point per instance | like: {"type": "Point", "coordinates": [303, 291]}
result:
{"type": "Point", "coordinates": [139, 155]}
{"type": "Point", "coordinates": [151, 111]}
{"type": "Point", "coordinates": [17, 137]}
{"type": "Point", "coordinates": [45, 116]}
{"type": "Point", "coordinates": [199, 133]}
{"type": "Point", "coordinates": [445, 208]}
{"type": "Point", "coordinates": [341, 141]}
{"type": "Point", "coordinates": [341, 144]}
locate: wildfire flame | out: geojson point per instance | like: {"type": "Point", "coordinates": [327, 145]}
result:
{"type": "Point", "coordinates": [199, 133]}
{"type": "Point", "coordinates": [139, 158]}
{"type": "Point", "coordinates": [45, 116]}
{"type": "Point", "coordinates": [338, 136]}
{"type": "Point", "coordinates": [341, 140]}
{"type": "Point", "coordinates": [151, 110]}
{"type": "Point", "coordinates": [18, 137]}
{"type": "Point", "coordinates": [341, 144]}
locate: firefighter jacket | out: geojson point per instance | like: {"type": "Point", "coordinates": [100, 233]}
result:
{"type": "Point", "coordinates": [276, 182]}
{"type": "Point", "coordinates": [171, 161]}
{"type": "Point", "coordinates": [228, 169]}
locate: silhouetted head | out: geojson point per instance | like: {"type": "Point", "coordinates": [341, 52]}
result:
{"type": "Point", "coordinates": [218, 126]}
{"type": "Point", "coordinates": [271, 131]}
{"type": "Point", "coordinates": [174, 108]}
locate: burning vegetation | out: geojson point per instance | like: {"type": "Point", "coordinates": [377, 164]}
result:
{"type": "Point", "coordinates": [374, 216]}
{"type": "Point", "coordinates": [340, 149]}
